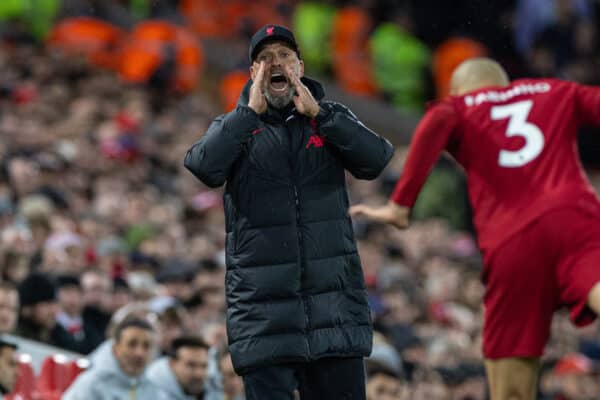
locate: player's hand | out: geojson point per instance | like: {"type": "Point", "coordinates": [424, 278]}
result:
{"type": "Point", "coordinates": [391, 213]}
{"type": "Point", "coordinates": [303, 99]}
{"type": "Point", "coordinates": [257, 100]}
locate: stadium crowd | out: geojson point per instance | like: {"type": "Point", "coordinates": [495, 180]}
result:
{"type": "Point", "coordinates": [105, 236]}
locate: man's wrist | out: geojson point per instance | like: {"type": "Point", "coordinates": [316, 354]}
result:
{"type": "Point", "coordinates": [322, 114]}
{"type": "Point", "coordinates": [315, 112]}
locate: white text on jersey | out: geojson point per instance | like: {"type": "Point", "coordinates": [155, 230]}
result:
{"type": "Point", "coordinates": [495, 96]}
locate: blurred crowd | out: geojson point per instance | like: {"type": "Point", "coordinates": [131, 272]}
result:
{"type": "Point", "coordinates": [100, 223]}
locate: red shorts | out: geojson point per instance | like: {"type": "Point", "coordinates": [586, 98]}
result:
{"type": "Point", "coordinates": [553, 262]}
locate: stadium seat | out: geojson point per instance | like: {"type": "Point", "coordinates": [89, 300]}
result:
{"type": "Point", "coordinates": [25, 385]}
{"type": "Point", "coordinates": [57, 374]}
{"type": "Point", "coordinates": [146, 49]}
{"type": "Point", "coordinates": [204, 17]}
{"type": "Point", "coordinates": [448, 56]}
{"type": "Point", "coordinates": [91, 37]}
{"type": "Point", "coordinates": [230, 88]}
{"type": "Point", "coordinates": [351, 59]}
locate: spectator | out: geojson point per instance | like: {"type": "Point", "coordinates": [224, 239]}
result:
{"type": "Point", "coordinates": [9, 307]}
{"type": "Point", "coordinates": [70, 315]}
{"type": "Point", "coordinates": [293, 311]}
{"type": "Point", "coordinates": [121, 294]}
{"type": "Point", "coordinates": [16, 263]}
{"type": "Point", "coordinates": [313, 23]}
{"type": "Point", "coordinates": [122, 375]}
{"type": "Point", "coordinates": [172, 325]}
{"type": "Point", "coordinates": [533, 16]}
{"type": "Point", "coordinates": [400, 61]}
{"type": "Point", "coordinates": [136, 310]}
{"type": "Point", "coordinates": [115, 12]}
{"type": "Point", "coordinates": [96, 288]}
{"type": "Point", "coordinates": [175, 276]}
{"type": "Point", "coordinates": [9, 367]}
{"type": "Point", "coordinates": [183, 374]}
{"type": "Point", "coordinates": [384, 384]}
{"type": "Point", "coordinates": [39, 308]}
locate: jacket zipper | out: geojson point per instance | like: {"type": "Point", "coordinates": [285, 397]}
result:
{"type": "Point", "coordinates": [300, 249]}
{"type": "Point", "coordinates": [300, 239]}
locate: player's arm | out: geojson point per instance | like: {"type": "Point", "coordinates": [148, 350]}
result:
{"type": "Point", "coordinates": [430, 138]}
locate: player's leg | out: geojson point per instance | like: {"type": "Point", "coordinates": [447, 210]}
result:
{"type": "Point", "coordinates": [512, 378]}
{"type": "Point", "coordinates": [520, 299]}
{"type": "Point", "coordinates": [579, 267]}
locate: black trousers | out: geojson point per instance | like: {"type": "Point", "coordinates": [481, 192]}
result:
{"type": "Point", "coordinates": [325, 379]}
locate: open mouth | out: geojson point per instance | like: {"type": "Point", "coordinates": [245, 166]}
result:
{"type": "Point", "coordinates": [278, 82]}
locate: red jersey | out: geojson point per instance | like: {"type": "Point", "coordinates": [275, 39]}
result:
{"type": "Point", "coordinates": [518, 147]}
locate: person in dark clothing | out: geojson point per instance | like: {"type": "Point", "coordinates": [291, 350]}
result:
{"type": "Point", "coordinates": [297, 311]}
{"type": "Point", "coordinates": [39, 310]}
{"type": "Point", "coordinates": [97, 295]}
{"type": "Point", "coordinates": [70, 315]}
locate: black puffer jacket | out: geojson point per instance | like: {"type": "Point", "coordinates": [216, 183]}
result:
{"type": "Point", "coordinates": [294, 283]}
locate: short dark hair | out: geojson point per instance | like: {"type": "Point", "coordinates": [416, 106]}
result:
{"type": "Point", "coordinates": [374, 368]}
{"type": "Point", "coordinates": [195, 342]}
{"type": "Point", "coordinates": [68, 280]}
{"type": "Point", "coordinates": [131, 323]}
{"type": "Point", "coordinates": [4, 344]}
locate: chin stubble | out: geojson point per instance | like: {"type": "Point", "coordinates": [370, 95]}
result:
{"type": "Point", "coordinates": [280, 101]}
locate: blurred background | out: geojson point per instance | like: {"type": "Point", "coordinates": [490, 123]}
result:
{"type": "Point", "coordinates": [99, 101]}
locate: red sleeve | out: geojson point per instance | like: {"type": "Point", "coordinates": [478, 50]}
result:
{"type": "Point", "coordinates": [429, 140]}
{"type": "Point", "coordinates": [588, 104]}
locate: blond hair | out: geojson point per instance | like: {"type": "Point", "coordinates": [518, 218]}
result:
{"type": "Point", "coordinates": [476, 73]}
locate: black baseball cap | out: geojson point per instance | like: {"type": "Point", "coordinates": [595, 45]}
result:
{"type": "Point", "coordinates": [271, 33]}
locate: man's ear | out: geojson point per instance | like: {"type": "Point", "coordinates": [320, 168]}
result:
{"type": "Point", "coordinates": [253, 70]}
{"type": "Point", "coordinates": [301, 69]}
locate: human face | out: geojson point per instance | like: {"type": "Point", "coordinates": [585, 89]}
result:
{"type": "Point", "coordinates": [69, 298]}
{"type": "Point", "coordinates": [133, 350]}
{"type": "Point", "coordinates": [190, 368]}
{"type": "Point", "coordinates": [383, 387]}
{"type": "Point", "coordinates": [44, 313]}
{"type": "Point", "coordinates": [96, 290]}
{"type": "Point", "coordinates": [9, 310]}
{"type": "Point", "coordinates": [278, 88]}
{"type": "Point", "coordinates": [8, 367]}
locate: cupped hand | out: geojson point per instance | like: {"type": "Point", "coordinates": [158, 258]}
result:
{"type": "Point", "coordinates": [257, 100]}
{"type": "Point", "coordinates": [303, 99]}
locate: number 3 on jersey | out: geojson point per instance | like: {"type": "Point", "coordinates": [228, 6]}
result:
{"type": "Point", "coordinates": [518, 126]}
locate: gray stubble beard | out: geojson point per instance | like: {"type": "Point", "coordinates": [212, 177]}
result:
{"type": "Point", "coordinates": [282, 101]}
